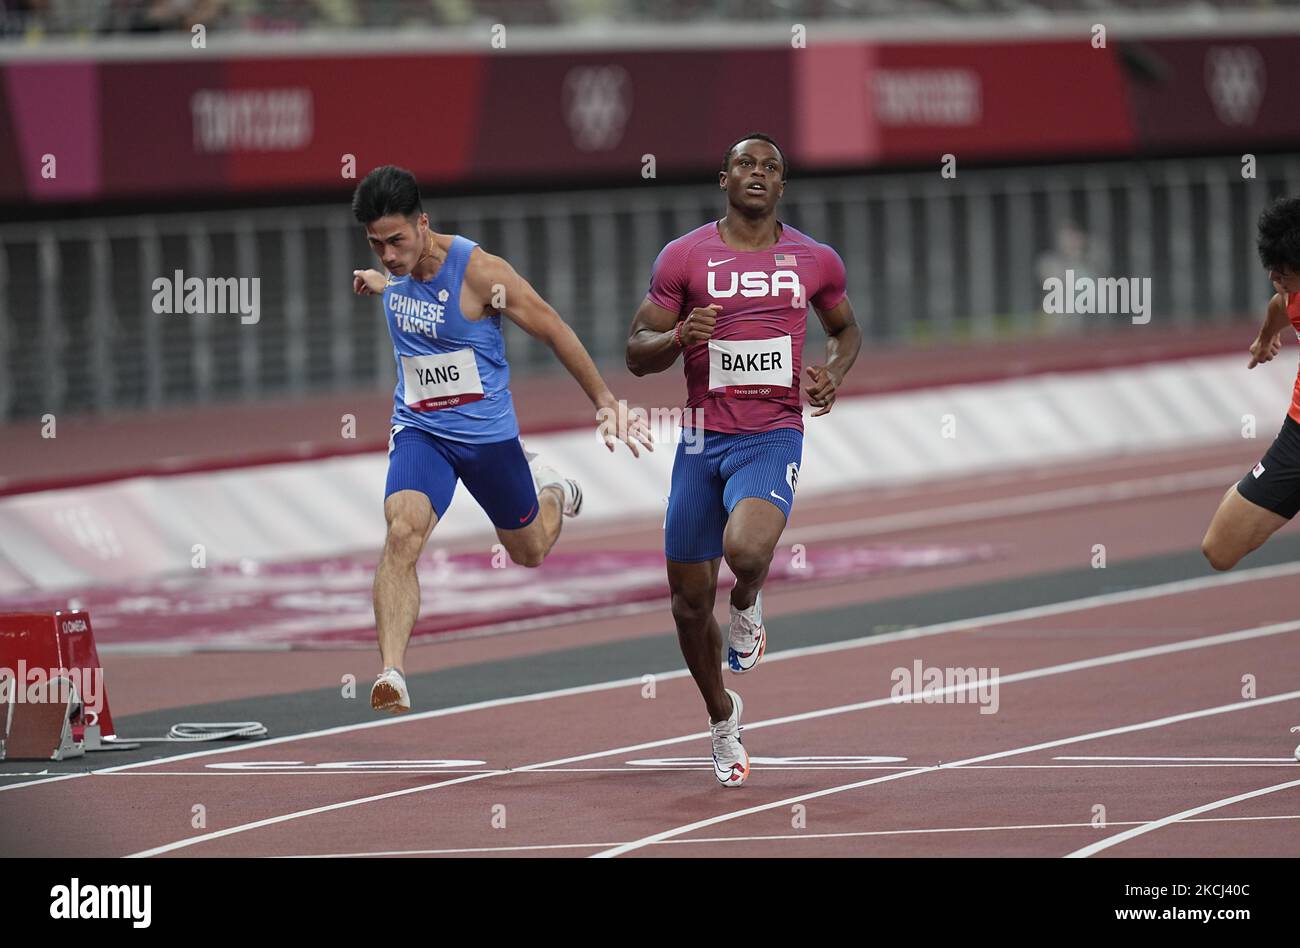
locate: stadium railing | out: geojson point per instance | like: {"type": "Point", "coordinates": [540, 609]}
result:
{"type": "Point", "coordinates": [927, 262]}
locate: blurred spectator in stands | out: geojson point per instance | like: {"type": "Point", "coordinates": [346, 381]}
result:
{"type": "Point", "coordinates": [337, 14]}
{"type": "Point", "coordinates": [281, 16]}
{"type": "Point", "coordinates": [453, 12]}
{"type": "Point", "coordinates": [26, 18]}
{"type": "Point", "coordinates": [587, 11]}
{"type": "Point", "coordinates": [157, 16]}
{"type": "Point", "coordinates": [1074, 256]}
{"type": "Point", "coordinates": [33, 19]}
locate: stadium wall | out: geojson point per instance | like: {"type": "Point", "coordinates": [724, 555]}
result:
{"type": "Point", "coordinates": [206, 123]}
{"type": "Point", "coordinates": [147, 527]}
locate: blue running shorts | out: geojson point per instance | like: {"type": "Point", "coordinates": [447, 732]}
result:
{"type": "Point", "coordinates": [496, 474]}
{"type": "Point", "coordinates": [706, 486]}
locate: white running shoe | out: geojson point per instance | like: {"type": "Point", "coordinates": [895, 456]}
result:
{"type": "Point", "coordinates": [1297, 750]}
{"type": "Point", "coordinates": [544, 476]}
{"type": "Point", "coordinates": [389, 692]}
{"type": "Point", "coordinates": [730, 761]}
{"type": "Point", "coordinates": [746, 637]}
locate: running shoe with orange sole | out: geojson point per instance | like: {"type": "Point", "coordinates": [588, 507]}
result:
{"type": "Point", "coordinates": [389, 692]}
{"type": "Point", "coordinates": [730, 760]}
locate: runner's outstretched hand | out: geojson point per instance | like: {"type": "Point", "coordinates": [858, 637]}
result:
{"type": "Point", "coordinates": [616, 422]}
{"type": "Point", "coordinates": [368, 282]}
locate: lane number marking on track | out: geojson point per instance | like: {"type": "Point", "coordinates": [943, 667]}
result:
{"type": "Point", "coordinates": [297, 766]}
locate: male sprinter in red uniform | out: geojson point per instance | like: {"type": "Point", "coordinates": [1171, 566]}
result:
{"type": "Point", "coordinates": [1269, 495]}
{"type": "Point", "coordinates": [731, 298]}
{"type": "Point", "coordinates": [453, 417]}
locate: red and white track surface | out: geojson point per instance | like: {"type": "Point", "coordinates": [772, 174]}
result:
{"type": "Point", "coordinates": [1125, 723]}
{"type": "Point", "coordinates": [1036, 521]}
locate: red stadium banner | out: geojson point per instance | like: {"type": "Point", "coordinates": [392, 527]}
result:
{"type": "Point", "coordinates": [247, 125]}
{"type": "Point", "coordinates": [549, 116]}
{"type": "Point", "coordinates": [1004, 101]}
{"type": "Point", "coordinates": [313, 112]}
{"type": "Point", "coordinates": [1214, 94]}
{"type": "Point", "coordinates": [908, 103]}
{"type": "Point", "coordinates": [257, 124]}
{"type": "Point", "coordinates": [50, 132]}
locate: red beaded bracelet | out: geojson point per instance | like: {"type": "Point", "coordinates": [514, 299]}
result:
{"type": "Point", "coordinates": [677, 336]}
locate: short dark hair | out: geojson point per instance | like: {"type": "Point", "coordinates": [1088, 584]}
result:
{"type": "Point", "coordinates": [386, 190]}
{"type": "Point", "coordinates": [762, 137]}
{"type": "Point", "coordinates": [1279, 235]}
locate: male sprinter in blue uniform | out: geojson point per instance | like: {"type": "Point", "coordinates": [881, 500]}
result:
{"type": "Point", "coordinates": [453, 416]}
{"type": "Point", "coordinates": [731, 298]}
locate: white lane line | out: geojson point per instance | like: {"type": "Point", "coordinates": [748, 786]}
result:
{"type": "Point", "coordinates": [675, 767]}
{"type": "Point", "coordinates": [1261, 573]}
{"type": "Point", "coordinates": [1281, 763]}
{"type": "Point", "coordinates": [1128, 834]}
{"type": "Point", "coordinates": [1232, 760]}
{"type": "Point", "coordinates": [1288, 762]}
{"type": "Point", "coordinates": [1117, 658]}
{"type": "Point", "coordinates": [1099, 601]}
{"type": "Point", "coordinates": [272, 820]}
{"type": "Point", "coordinates": [960, 829]}
{"type": "Point", "coordinates": [359, 772]}
{"type": "Point", "coordinates": [465, 851]}
{"type": "Point", "coordinates": [386, 721]}
{"type": "Point", "coordinates": [949, 515]}
{"type": "Point", "coordinates": [1046, 745]}
{"type": "Point", "coordinates": [780, 837]}
{"type": "Point", "coordinates": [1224, 638]}
{"type": "Point", "coordinates": [43, 780]}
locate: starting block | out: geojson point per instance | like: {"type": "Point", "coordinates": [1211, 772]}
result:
{"type": "Point", "coordinates": [53, 702]}
{"type": "Point", "coordinates": [40, 727]}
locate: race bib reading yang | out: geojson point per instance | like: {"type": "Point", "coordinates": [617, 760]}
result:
{"type": "Point", "coordinates": [431, 382]}
{"type": "Point", "coordinates": [751, 368]}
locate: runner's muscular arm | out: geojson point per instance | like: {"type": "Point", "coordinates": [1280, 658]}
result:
{"type": "Point", "coordinates": [843, 341]}
{"type": "Point", "coordinates": [650, 344]}
{"type": "Point", "coordinates": [490, 277]}
{"type": "Point", "coordinates": [655, 342]}
{"type": "Point", "coordinates": [1269, 341]}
